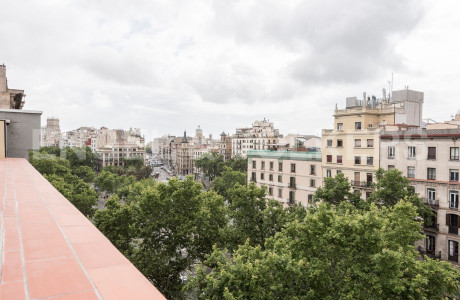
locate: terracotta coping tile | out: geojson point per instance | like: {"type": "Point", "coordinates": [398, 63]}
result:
{"type": "Point", "coordinates": [52, 251]}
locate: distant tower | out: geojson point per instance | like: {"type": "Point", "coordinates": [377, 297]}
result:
{"type": "Point", "coordinates": [184, 139]}
{"type": "Point", "coordinates": [199, 132]}
{"type": "Point", "coordinates": [9, 98]}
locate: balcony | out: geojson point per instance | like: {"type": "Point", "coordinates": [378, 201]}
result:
{"type": "Point", "coordinates": [51, 250]}
{"type": "Point", "coordinates": [430, 253]}
{"type": "Point", "coordinates": [432, 227]}
{"type": "Point", "coordinates": [431, 202]}
{"type": "Point", "coordinates": [292, 186]}
{"type": "Point", "coordinates": [355, 183]}
{"type": "Point", "coordinates": [453, 258]}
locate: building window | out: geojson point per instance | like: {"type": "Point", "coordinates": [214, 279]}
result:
{"type": "Point", "coordinates": [329, 143]}
{"type": "Point", "coordinates": [370, 143]}
{"type": "Point", "coordinates": [312, 183]}
{"type": "Point", "coordinates": [391, 167]}
{"type": "Point", "coordinates": [357, 125]}
{"type": "Point", "coordinates": [270, 191]}
{"type": "Point", "coordinates": [292, 168]}
{"type": "Point", "coordinates": [430, 244]}
{"type": "Point", "coordinates": [357, 160]}
{"type": "Point", "coordinates": [270, 177]}
{"type": "Point", "coordinates": [280, 167]}
{"type": "Point", "coordinates": [454, 153]}
{"type": "Point", "coordinates": [328, 173]}
{"type": "Point", "coordinates": [271, 166]}
{"type": "Point", "coordinates": [431, 194]}
{"type": "Point", "coordinates": [292, 182]}
{"type": "Point", "coordinates": [339, 143]}
{"type": "Point", "coordinates": [370, 160]}
{"type": "Point", "coordinates": [357, 143]}
{"type": "Point", "coordinates": [262, 175]}
{"type": "Point", "coordinates": [453, 251]}
{"type": "Point", "coordinates": [329, 158]}
{"type": "Point", "coordinates": [453, 197]}
{"type": "Point", "coordinates": [280, 178]}
{"type": "Point", "coordinates": [410, 172]}
{"type": "Point", "coordinates": [263, 165]}
{"type": "Point", "coordinates": [431, 152]}
{"type": "Point", "coordinates": [280, 193]}
{"type": "Point", "coordinates": [310, 198]}
{"type": "Point", "coordinates": [431, 174]}
{"type": "Point", "coordinates": [291, 197]}
{"type": "Point", "coordinates": [453, 175]}
{"type": "Point", "coordinates": [338, 172]}
{"type": "Point", "coordinates": [391, 151]}
{"type": "Point", "coordinates": [253, 177]}
{"type": "Point", "coordinates": [411, 151]}
{"type": "Point", "coordinates": [339, 159]}
{"type": "Point", "coordinates": [254, 164]}
{"type": "Point", "coordinates": [340, 126]}
{"type": "Point", "coordinates": [312, 170]}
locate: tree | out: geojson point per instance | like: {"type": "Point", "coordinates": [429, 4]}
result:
{"type": "Point", "coordinates": [337, 190]}
{"type": "Point", "coordinates": [148, 150]}
{"type": "Point", "coordinates": [79, 193]}
{"type": "Point", "coordinates": [111, 182]}
{"type": "Point", "coordinates": [335, 252]}
{"type": "Point", "coordinates": [210, 164]}
{"type": "Point", "coordinates": [253, 217]}
{"type": "Point", "coordinates": [164, 229]}
{"type": "Point", "coordinates": [84, 172]}
{"type": "Point", "coordinates": [391, 186]}
{"type": "Point", "coordinates": [228, 179]}
{"type": "Point", "coordinates": [237, 163]}
{"type": "Point", "coordinates": [79, 156]}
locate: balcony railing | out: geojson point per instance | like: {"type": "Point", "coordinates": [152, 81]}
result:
{"type": "Point", "coordinates": [292, 185]}
{"type": "Point", "coordinates": [361, 183]}
{"type": "Point", "coordinates": [432, 226]}
{"type": "Point", "coordinates": [453, 257]}
{"type": "Point", "coordinates": [429, 253]}
{"type": "Point", "coordinates": [431, 202]}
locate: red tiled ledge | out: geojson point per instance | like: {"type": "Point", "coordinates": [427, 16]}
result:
{"type": "Point", "coordinates": [49, 250]}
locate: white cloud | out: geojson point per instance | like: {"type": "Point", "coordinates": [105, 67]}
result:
{"type": "Point", "coordinates": [169, 65]}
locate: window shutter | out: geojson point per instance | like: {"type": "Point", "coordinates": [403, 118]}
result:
{"type": "Point", "coordinates": [448, 219]}
{"type": "Point", "coordinates": [458, 221]}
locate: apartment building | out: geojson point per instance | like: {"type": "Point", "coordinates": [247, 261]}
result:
{"type": "Point", "coordinates": [430, 159]}
{"type": "Point", "coordinates": [261, 136]}
{"type": "Point", "coordinates": [353, 146]}
{"type": "Point", "coordinates": [225, 146]}
{"type": "Point", "coordinates": [290, 177]}
{"type": "Point", "coordinates": [51, 133]}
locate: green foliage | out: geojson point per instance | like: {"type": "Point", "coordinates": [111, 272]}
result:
{"type": "Point", "coordinates": [148, 150]}
{"type": "Point", "coordinates": [228, 180]}
{"type": "Point", "coordinates": [254, 218]}
{"type": "Point", "coordinates": [79, 156]}
{"type": "Point", "coordinates": [212, 165]}
{"type": "Point", "coordinates": [111, 182]}
{"type": "Point", "coordinates": [84, 172]}
{"type": "Point", "coordinates": [76, 191]}
{"type": "Point", "coordinates": [337, 190]}
{"type": "Point", "coordinates": [51, 150]}
{"type": "Point", "coordinates": [332, 253]}
{"type": "Point", "coordinates": [391, 186]}
{"type": "Point", "coordinates": [173, 226]}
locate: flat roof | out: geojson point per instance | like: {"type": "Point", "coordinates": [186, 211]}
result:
{"type": "Point", "coordinates": [285, 155]}
{"type": "Point", "coordinates": [20, 111]}
{"type": "Point", "coordinates": [50, 250]}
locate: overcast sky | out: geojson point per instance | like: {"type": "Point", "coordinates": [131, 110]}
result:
{"type": "Point", "coordinates": [170, 65]}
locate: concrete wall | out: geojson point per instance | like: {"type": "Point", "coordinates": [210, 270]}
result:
{"type": "Point", "coordinates": [22, 132]}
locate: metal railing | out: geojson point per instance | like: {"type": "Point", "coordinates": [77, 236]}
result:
{"type": "Point", "coordinates": [429, 253]}
{"type": "Point", "coordinates": [361, 183]}
{"type": "Point", "coordinates": [431, 202]}
{"type": "Point", "coordinates": [431, 226]}
{"type": "Point", "coordinates": [453, 229]}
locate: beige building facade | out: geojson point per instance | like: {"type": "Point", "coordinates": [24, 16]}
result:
{"type": "Point", "coordinates": [291, 177]}
{"type": "Point", "coordinates": [261, 136]}
{"type": "Point", "coordinates": [9, 98]}
{"type": "Point", "coordinates": [430, 159]}
{"type": "Point", "coordinates": [352, 147]}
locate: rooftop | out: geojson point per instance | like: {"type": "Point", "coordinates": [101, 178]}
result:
{"type": "Point", "coordinates": [49, 250]}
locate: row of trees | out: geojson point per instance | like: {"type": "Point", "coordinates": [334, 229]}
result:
{"type": "Point", "coordinates": [212, 165]}
{"type": "Point", "coordinates": [230, 242]}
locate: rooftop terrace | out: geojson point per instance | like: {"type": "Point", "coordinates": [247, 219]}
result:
{"type": "Point", "coordinates": [49, 250]}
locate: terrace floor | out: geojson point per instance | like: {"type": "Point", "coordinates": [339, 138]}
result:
{"type": "Point", "coordinates": [49, 250]}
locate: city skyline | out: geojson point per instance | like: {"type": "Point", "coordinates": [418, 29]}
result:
{"type": "Point", "coordinates": [169, 67]}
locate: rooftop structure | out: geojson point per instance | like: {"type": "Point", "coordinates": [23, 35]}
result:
{"type": "Point", "coordinates": [49, 250]}
{"type": "Point", "coordinates": [9, 98]}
